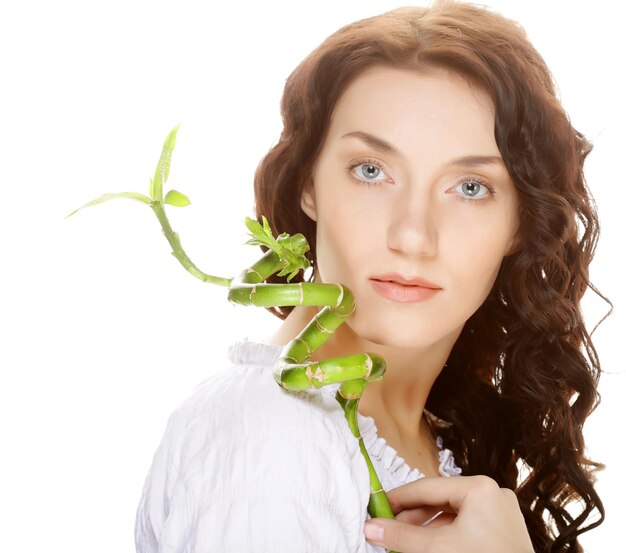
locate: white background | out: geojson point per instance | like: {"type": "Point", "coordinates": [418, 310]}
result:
{"type": "Point", "coordinates": [103, 334]}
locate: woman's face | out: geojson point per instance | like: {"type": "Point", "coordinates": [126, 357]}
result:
{"type": "Point", "coordinates": [397, 189]}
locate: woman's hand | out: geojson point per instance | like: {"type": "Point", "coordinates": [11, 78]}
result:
{"type": "Point", "coordinates": [478, 516]}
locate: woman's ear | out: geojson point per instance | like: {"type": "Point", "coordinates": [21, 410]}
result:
{"type": "Point", "coordinates": [307, 201]}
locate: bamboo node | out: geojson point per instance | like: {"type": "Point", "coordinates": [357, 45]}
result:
{"type": "Point", "coordinates": [340, 299]}
{"type": "Point", "coordinates": [322, 328]}
{"type": "Point", "coordinates": [308, 348]}
{"type": "Point", "coordinates": [368, 366]}
{"type": "Point", "coordinates": [317, 374]}
{"type": "Point", "coordinates": [248, 271]}
{"type": "Point", "coordinates": [354, 395]}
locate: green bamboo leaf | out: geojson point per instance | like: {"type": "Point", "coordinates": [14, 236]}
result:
{"type": "Point", "coordinates": [258, 232]}
{"type": "Point", "coordinates": [261, 242]}
{"type": "Point", "coordinates": [266, 227]}
{"type": "Point", "coordinates": [254, 227]}
{"type": "Point", "coordinates": [163, 167]}
{"type": "Point", "coordinates": [288, 270]}
{"type": "Point", "coordinates": [262, 235]}
{"type": "Point", "coordinates": [255, 243]}
{"type": "Point", "coordinates": [176, 198]}
{"type": "Point", "coordinates": [111, 196]}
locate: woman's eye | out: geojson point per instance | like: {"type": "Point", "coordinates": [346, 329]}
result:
{"type": "Point", "coordinates": [471, 188]}
{"type": "Point", "coordinates": [368, 172]}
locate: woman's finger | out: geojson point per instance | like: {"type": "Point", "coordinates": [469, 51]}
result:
{"type": "Point", "coordinates": [426, 516]}
{"type": "Point", "coordinates": [446, 492]}
{"type": "Point", "coordinates": [400, 536]}
{"type": "Point", "coordinates": [483, 513]}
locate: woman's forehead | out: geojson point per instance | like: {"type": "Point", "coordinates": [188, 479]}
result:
{"type": "Point", "coordinates": [414, 110]}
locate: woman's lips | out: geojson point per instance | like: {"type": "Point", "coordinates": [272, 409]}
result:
{"type": "Point", "coordinates": [404, 290]}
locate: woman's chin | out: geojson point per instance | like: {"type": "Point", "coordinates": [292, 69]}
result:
{"type": "Point", "coordinates": [391, 338]}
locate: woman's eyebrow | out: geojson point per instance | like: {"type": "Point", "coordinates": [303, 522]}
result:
{"type": "Point", "coordinates": [375, 142]}
{"type": "Point", "coordinates": [475, 161]}
{"type": "Point", "coordinates": [384, 147]}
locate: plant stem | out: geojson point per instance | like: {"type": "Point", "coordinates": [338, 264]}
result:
{"type": "Point", "coordinates": [179, 253]}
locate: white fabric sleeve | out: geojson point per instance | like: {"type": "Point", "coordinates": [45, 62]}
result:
{"type": "Point", "coordinates": [247, 466]}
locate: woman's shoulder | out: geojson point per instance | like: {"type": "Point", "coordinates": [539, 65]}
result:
{"type": "Point", "coordinates": [245, 398]}
{"type": "Point", "coordinates": [240, 414]}
{"type": "Point", "coordinates": [241, 445]}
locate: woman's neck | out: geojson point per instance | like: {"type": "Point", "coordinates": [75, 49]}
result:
{"type": "Point", "coordinates": [396, 403]}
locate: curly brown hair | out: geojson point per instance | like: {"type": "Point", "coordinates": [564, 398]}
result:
{"type": "Point", "coordinates": [517, 387]}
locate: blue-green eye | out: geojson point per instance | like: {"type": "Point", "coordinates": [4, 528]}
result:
{"type": "Point", "coordinates": [471, 188]}
{"type": "Point", "coordinates": [474, 189]}
{"type": "Point", "coordinates": [369, 171]}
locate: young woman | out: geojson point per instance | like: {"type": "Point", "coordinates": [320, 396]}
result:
{"type": "Point", "coordinates": [433, 171]}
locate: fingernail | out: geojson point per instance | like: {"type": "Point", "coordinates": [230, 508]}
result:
{"type": "Point", "coordinates": [374, 531]}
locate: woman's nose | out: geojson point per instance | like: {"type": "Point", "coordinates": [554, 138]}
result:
{"type": "Point", "coordinates": [413, 228]}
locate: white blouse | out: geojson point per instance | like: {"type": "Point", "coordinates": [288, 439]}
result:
{"type": "Point", "coordinates": [246, 466]}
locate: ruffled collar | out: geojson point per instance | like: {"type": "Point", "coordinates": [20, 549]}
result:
{"type": "Point", "coordinates": [392, 469]}
{"type": "Point", "coordinates": [248, 352]}
{"type": "Point", "coordinates": [391, 461]}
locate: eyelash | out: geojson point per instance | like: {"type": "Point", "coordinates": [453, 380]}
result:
{"type": "Point", "coordinates": [366, 161]}
{"type": "Point", "coordinates": [471, 178]}
{"type": "Point", "coordinates": [466, 178]}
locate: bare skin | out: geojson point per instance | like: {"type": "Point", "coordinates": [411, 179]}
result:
{"type": "Point", "coordinates": [410, 181]}
{"type": "Point", "coordinates": [412, 439]}
{"type": "Point", "coordinates": [412, 218]}
{"type": "Point", "coordinates": [421, 218]}
{"type": "Point", "coordinates": [479, 517]}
